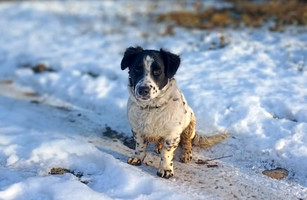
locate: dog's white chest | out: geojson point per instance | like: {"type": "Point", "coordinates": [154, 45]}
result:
{"type": "Point", "coordinates": [168, 118]}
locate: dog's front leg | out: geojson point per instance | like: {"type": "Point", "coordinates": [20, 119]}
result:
{"type": "Point", "coordinates": [166, 169]}
{"type": "Point", "coordinates": [140, 150]}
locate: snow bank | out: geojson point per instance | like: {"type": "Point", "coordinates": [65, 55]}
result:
{"type": "Point", "coordinates": [29, 150]}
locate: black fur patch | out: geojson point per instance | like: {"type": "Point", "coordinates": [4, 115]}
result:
{"type": "Point", "coordinates": [163, 68]}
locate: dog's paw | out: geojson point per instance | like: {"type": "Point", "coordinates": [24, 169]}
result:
{"type": "Point", "coordinates": [186, 156]}
{"type": "Point", "coordinates": [165, 173]}
{"type": "Point", "coordinates": [134, 161]}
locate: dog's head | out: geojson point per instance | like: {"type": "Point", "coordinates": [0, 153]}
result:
{"type": "Point", "coordinates": [149, 71]}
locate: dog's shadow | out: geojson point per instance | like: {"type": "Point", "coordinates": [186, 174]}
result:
{"type": "Point", "coordinates": [124, 146]}
{"type": "Point", "coordinates": [150, 164]}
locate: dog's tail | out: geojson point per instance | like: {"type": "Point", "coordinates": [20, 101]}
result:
{"type": "Point", "coordinates": [208, 141]}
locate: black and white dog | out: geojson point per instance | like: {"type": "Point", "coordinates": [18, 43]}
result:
{"type": "Point", "coordinates": [157, 110]}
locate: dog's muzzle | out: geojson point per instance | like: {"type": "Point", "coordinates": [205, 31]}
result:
{"type": "Point", "coordinates": [142, 92]}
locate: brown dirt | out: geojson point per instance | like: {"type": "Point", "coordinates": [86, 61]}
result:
{"type": "Point", "coordinates": [277, 173]}
{"type": "Point", "coordinates": [56, 171]}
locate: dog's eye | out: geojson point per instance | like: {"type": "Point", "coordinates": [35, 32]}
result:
{"type": "Point", "coordinates": [157, 72]}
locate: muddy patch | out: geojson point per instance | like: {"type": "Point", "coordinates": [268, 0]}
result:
{"type": "Point", "coordinates": [114, 135]}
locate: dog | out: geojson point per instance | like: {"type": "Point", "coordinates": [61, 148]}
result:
{"type": "Point", "coordinates": [158, 111]}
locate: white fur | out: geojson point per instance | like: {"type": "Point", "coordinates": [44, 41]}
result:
{"type": "Point", "coordinates": [147, 63]}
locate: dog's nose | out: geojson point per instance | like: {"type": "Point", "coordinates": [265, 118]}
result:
{"type": "Point", "coordinates": [143, 91]}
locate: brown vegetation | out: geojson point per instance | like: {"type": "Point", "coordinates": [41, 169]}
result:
{"type": "Point", "coordinates": [243, 13]}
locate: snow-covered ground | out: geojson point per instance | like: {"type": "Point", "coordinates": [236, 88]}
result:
{"type": "Point", "coordinates": [255, 88]}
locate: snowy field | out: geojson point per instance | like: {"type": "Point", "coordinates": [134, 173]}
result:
{"type": "Point", "coordinates": [72, 114]}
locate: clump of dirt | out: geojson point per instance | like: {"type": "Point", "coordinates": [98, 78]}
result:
{"type": "Point", "coordinates": [56, 171]}
{"type": "Point", "coordinates": [38, 68]}
{"type": "Point", "coordinates": [278, 173]}
{"type": "Point", "coordinates": [60, 171]}
{"type": "Point", "coordinates": [112, 134]}
{"type": "Point", "coordinates": [247, 13]}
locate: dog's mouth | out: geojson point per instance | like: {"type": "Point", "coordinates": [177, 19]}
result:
{"type": "Point", "coordinates": [144, 98]}
{"type": "Point", "coordinates": [141, 97]}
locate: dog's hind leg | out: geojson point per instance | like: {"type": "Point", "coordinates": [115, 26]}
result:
{"type": "Point", "coordinates": [140, 150]}
{"type": "Point", "coordinates": [186, 141]}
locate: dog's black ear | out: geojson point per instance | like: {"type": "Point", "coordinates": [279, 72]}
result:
{"type": "Point", "coordinates": [129, 56]}
{"type": "Point", "coordinates": [171, 63]}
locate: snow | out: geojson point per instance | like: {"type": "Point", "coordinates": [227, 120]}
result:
{"type": "Point", "coordinates": [254, 88]}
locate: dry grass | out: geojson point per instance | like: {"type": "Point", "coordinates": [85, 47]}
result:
{"type": "Point", "coordinates": [243, 13]}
